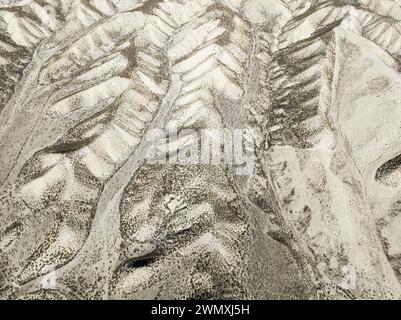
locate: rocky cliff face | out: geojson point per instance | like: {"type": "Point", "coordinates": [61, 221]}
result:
{"type": "Point", "coordinates": [92, 206]}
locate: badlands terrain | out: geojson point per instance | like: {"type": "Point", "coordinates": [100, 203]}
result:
{"type": "Point", "coordinates": [91, 209]}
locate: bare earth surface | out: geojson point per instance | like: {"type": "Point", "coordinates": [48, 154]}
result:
{"type": "Point", "coordinates": [84, 214]}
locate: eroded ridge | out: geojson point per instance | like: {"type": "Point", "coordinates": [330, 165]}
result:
{"type": "Point", "coordinates": [312, 84]}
